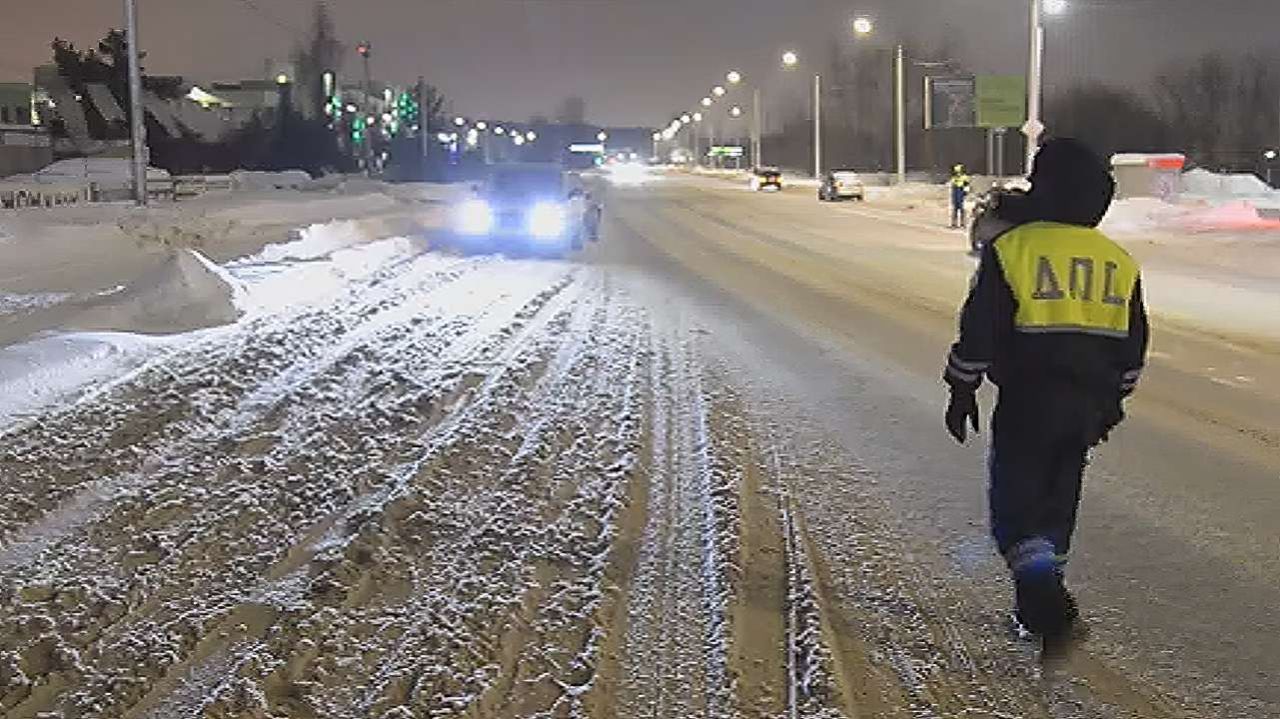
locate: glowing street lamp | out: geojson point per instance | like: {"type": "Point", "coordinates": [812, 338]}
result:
{"type": "Point", "coordinates": [499, 130]}
{"type": "Point", "coordinates": [657, 136]}
{"type": "Point", "coordinates": [863, 25]}
{"type": "Point", "coordinates": [735, 111]}
{"type": "Point", "coordinates": [697, 117]}
{"type": "Point", "coordinates": [531, 136]}
{"type": "Point", "coordinates": [518, 139]}
{"type": "Point", "coordinates": [734, 77]}
{"type": "Point", "coordinates": [790, 59]}
{"type": "Point", "coordinates": [706, 102]}
{"type": "Point", "coordinates": [602, 136]}
{"type": "Point", "coordinates": [718, 91]}
{"type": "Point", "coordinates": [459, 121]}
{"type": "Point", "coordinates": [685, 119]}
{"type": "Point", "coordinates": [282, 79]}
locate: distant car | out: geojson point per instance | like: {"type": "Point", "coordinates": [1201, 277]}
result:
{"type": "Point", "coordinates": [842, 185]}
{"type": "Point", "coordinates": [536, 208]}
{"type": "Point", "coordinates": [763, 177]}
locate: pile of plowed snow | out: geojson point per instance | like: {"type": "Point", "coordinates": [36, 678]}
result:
{"type": "Point", "coordinates": [185, 292]}
{"type": "Point", "coordinates": [56, 367]}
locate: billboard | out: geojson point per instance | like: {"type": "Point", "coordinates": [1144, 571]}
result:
{"type": "Point", "coordinates": [1001, 100]}
{"type": "Point", "coordinates": [949, 102]}
{"type": "Point", "coordinates": [975, 101]}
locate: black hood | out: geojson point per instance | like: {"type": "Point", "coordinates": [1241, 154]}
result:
{"type": "Point", "coordinates": [1070, 183]}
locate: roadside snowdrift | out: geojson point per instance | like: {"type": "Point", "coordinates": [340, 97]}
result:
{"type": "Point", "coordinates": [186, 292]}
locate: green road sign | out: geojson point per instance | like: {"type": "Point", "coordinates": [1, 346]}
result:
{"type": "Point", "coordinates": [1001, 100]}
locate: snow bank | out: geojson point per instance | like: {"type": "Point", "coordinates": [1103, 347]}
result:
{"type": "Point", "coordinates": [1212, 184]}
{"type": "Point", "coordinates": [246, 180]}
{"type": "Point", "coordinates": [186, 292]}
{"type": "Point", "coordinates": [52, 369]}
{"type": "Point", "coordinates": [11, 303]}
{"type": "Point", "coordinates": [1141, 214]}
{"type": "Point", "coordinates": [103, 170]}
{"type": "Point", "coordinates": [314, 242]}
{"type": "Point", "coordinates": [1144, 215]}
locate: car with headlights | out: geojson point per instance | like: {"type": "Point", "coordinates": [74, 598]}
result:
{"type": "Point", "coordinates": [533, 208]}
{"type": "Point", "coordinates": [842, 185]}
{"type": "Point", "coordinates": [765, 177]}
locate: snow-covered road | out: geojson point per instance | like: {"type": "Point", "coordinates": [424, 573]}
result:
{"type": "Point", "coordinates": [412, 484]}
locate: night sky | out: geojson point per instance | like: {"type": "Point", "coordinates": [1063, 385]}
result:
{"type": "Point", "coordinates": [635, 61]}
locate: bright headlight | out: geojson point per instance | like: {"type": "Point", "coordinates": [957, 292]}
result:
{"type": "Point", "coordinates": [474, 217]}
{"type": "Point", "coordinates": [547, 219]}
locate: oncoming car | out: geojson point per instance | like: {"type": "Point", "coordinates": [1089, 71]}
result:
{"type": "Point", "coordinates": [530, 208]}
{"type": "Point", "coordinates": [841, 185]}
{"type": "Point", "coordinates": [763, 177]}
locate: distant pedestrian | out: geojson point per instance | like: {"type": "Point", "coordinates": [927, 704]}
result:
{"type": "Point", "coordinates": [959, 185]}
{"type": "Point", "coordinates": [1055, 319]}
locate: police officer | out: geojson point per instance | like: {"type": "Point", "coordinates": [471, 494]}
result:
{"type": "Point", "coordinates": [1055, 319]}
{"type": "Point", "coordinates": [959, 185]}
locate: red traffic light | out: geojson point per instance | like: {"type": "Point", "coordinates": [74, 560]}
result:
{"type": "Point", "coordinates": [363, 48]}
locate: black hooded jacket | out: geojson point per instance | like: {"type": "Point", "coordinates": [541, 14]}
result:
{"type": "Point", "coordinates": [1071, 187]}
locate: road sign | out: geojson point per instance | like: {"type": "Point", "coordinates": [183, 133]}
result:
{"type": "Point", "coordinates": [949, 102]}
{"type": "Point", "coordinates": [1001, 100]}
{"type": "Point", "coordinates": [725, 151]}
{"type": "Point", "coordinates": [588, 148]}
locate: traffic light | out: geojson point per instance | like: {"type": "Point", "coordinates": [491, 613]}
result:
{"type": "Point", "coordinates": [407, 110]}
{"type": "Point", "coordinates": [357, 129]}
{"type": "Point", "coordinates": [364, 48]}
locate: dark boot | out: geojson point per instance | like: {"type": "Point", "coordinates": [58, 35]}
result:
{"type": "Point", "coordinates": [1044, 606]}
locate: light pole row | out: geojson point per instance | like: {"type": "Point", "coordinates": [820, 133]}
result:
{"type": "Point", "coordinates": [863, 26]}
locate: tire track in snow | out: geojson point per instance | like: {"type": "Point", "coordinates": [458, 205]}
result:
{"type": "Point", "coordinates": [498, 357]}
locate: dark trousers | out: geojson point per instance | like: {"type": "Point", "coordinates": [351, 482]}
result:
{"type": "Point", "coordinates": [957, 209]}
{"type": "Point", "coordinates": [1039, 448]}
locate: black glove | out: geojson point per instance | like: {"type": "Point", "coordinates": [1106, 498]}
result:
{"type": "Point", "coordinates": [962, 407]}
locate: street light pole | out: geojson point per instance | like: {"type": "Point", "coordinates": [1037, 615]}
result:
{"type": "Point", "coordinates": [1034, 126]}
{"type": "Point", "coordinates": [137, 124]}
{"type": "Point", "coordinates": [817, 126]}
{"type": "Point", "coordinates": [755, 127]}
{"type": "Point", "coordinates": [900, 101]}
{"type": "Point", "coordinates": [424, 130]}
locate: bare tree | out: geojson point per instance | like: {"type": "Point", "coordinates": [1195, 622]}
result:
{"type": "Point", "coordinates": [322, 53]}
{"type": "Point", "coordinates": [1222, 112]}
{"type": "Point", "coordinates": [572, 111]}
{"type": "Point", "coordinates": [1109, 119]}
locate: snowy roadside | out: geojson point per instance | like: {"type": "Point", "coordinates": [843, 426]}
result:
{"type": "Point", "coordinates": [1207, 265]}
{"type": "Point", "coordinates": [114, 286]}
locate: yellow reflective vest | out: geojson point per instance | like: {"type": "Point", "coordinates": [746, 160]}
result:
{"type": "Point", "coordinates": [1067, 278]}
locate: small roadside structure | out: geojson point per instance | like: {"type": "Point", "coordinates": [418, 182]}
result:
{"type": "Point", "coordinates": [1156, 175]}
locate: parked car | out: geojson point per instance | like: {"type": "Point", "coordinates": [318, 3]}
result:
{"type": "Point", "coordinates": [842, 185]}
{"type": "Point", "coordinates": [763, 177]}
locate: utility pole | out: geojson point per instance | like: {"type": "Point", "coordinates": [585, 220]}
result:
{"type": "Point", "coordinates": [755, 127]}
{"type": "Point", "coordinates": [900, 102]}
{"type": "Point", "coordinates": [137, 124]}
{"type": "Point", "coordinates": [424, 142]}
{"type": "Point", "coordinates": [365, 49]}
{"type": "Point", "coordinates": [1034, 126]}
{"type": "Point", "coordinates": [817, 126]}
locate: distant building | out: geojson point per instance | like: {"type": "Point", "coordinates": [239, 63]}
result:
{"type": "Point", "coordinates": [15, 103]}
{"type": "Point", "coordinates": [24, 147]}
